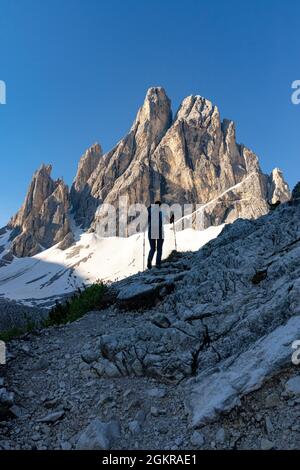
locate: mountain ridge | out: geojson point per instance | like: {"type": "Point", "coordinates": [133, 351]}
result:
{"type": "Point", "coordinates": [190, 159]}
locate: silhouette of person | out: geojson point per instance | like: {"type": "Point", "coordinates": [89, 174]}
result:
{"type": "Point", "coordinates": [155, 233]}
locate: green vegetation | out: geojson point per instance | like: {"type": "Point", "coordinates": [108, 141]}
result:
{"type": "Point", "coordinates": [77, 306]}
{"type": "Point", "coordinates": [16, 332]}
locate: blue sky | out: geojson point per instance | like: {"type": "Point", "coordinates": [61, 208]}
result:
{"type": "Point", "coordinates": [77, 70]}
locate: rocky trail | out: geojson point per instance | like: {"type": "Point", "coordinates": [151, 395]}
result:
{"type": "Point", "coordinates": [196, 355]}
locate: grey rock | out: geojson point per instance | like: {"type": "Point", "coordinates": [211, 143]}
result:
{"type": "Point", "coordinates": [105, 368]}
{"type": "Point", "coordinates": [137, 296]}
{"type": "Point", "coordinates": [220, 391]}
{"type": "Point", "coordinates": [105, 399]}
{"type": "Point", "coordinates": [98, 435]}
{"type": "Point", "coordinates": [292, 386]}
{"type": "Point", "coordinates": [36, 437]}
{"type": "Point", "coordinates": [90, 355]}
{"type": "Point", "coordinates": [221, 436]}
{"type": "Point", "coordinates": [154, 411]}
{"type": "Point", "coordinates": [18, 411]}
{"type": "Point", "coordinates": [160, 320]}
{"type": "Point", "coordinates": [296, 428]}
{"type": "Point", "coordinates": [66, 445]}
{"type": "Point", "coordinates": [178, 442]}
{"type": "Point", "coordinates": [140, 417]}
{"type": "Point", "coordinates": [265, 444]}
{"type": "Point", "coordinates": [197, 439]}
{"type": "Point", "coordinates": [269, 425]}
{"type": "Point", "coordinates": [41, 364]}
{"type": "Point", "coordinates": [50, 404]}
{"type": "Point", "coordinates": [134, 427]}
{"type": "Point", "coordinates": [272, 401]}
{"type": "Point", "coordinates": [156, 393]}
{"type": "Point", "coordinates": [52, 417]}
{"type": "Point", "coordinates": [25, 348]}
{"type": "Point", "coordinates": [6, 397]}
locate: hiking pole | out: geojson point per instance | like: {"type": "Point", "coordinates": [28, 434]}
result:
{"type": "Point", "coordinates": [144, 251]}
{"type": "Point", "coordinates": [172, 221]}
{"type": "Point", "coordinates": [174, 230]}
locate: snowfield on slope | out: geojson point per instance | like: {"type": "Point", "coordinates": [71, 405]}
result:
{"type": "Point", "coordinates": [54, 272]}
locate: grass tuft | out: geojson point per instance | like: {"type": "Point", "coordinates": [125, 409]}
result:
{"type": "Point", "coordinates": [74, 308]}
{"type": "Point", "coordinates": [16, 332]}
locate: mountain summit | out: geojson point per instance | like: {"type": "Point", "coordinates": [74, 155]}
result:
{"type": "Point", "coordinates": [192, 158]}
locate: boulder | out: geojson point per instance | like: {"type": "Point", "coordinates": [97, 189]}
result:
{"type": "Point", "coordinates": [141, 295]}
{"type": "Point", "coordinates": [98, 435]}
{"type": "Point", "coordinates": [292, 386]}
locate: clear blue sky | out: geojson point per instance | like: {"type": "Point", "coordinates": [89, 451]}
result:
{"type": "Point", "coordinates": [77, 71]}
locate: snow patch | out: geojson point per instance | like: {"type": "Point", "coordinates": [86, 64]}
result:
{"type": "Point", "coordinates": [54, 272]}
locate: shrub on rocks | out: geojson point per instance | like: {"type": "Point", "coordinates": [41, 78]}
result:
{"type": "Point", "coordinates": [80, 304]}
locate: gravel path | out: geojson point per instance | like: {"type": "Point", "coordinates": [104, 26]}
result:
{"type": "Point", "coordinates": [218, 325]}
{"type": "Point", "coordinates": [47, 374]}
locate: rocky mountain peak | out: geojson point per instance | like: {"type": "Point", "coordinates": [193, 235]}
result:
{"type": "Point", "coordinates": [87, 165]}
{"type": "Point", "coordinates": [279, 189]}
{"type": "Point", "coordinates": [193, 159]}
{"type": "Point", "coordinates": [153, 118]}
{"type": "Point", "coordinates": [40, 188]}
{"type": "Point", "coordinates": [125, 170]}
{"type": "Point", "coordinates": [156, 102]}
{"type": "Point", "coordinates": [196, 109]}
{"type": "Point", "coordinates": [43, 219]}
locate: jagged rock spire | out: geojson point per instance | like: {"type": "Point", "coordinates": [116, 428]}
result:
{"type": "Point", "coordinates": [125, 170]}
{"type": "Point", "coordinates": [192, 159]}
{"type": "Point", "coordinates": [43, 219]}
{"type": "Point", "coordinates": [80, 189]}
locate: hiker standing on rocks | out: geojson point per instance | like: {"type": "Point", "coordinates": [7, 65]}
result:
{"type": "Point", "coordinates": [156, 233]}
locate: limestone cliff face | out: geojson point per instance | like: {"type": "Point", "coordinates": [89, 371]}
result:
{"type": "Point", "coordinates": [81, 199]}
{"type": "Point", "coordinates": [126, 170]}
{"type": "Point", "coordinates": [193, 158]}
{"type": "Point", "coordinates": [278, 188]}
{"type": "Point", "coordinates": [43, 219]}
{"type": "Point", "coordinates": [198, 159]}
